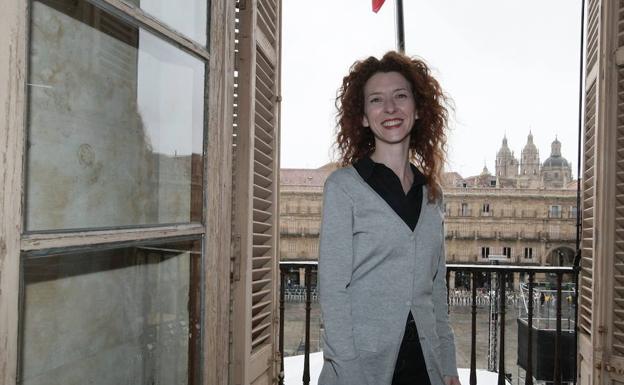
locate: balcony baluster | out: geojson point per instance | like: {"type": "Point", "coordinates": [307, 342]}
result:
{"type": "Point", "coordinates": [502, 277]}
{"type": "Point", "coordinates": [473, 341]}
{"type": "Point", "coordinates": [306, 359]}
{"type": "Point", "coordinates": [281, 328]}
{"type": "Point", "coordinates": [528, 380]}
{"type": "Point", "coordinates": [557, 374]}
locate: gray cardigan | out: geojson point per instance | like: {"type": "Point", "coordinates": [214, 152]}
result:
{"type": "Point", "coordinates": [372, 270]}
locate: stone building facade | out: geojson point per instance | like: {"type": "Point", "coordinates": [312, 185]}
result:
{"type": "Point", "coordinates": [485, 214]}
{"type": "Point", "coordinates": [528, 226]}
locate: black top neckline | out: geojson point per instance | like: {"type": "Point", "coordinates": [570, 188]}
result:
{"type": "Point", "coordinates": [388, 186]}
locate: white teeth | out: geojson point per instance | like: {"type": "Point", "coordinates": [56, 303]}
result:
{"type": "Point", "coordinates": [391, 123]}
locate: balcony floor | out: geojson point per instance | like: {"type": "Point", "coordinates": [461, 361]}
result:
{"type": "Point", "coordinates": [293, 368]}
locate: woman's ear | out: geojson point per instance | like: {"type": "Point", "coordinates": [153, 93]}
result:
{"type": "Point", "coordinates": [365, 122]}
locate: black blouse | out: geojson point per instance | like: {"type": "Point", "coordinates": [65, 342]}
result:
{"type": "Point", "coordinates": [387, 184]}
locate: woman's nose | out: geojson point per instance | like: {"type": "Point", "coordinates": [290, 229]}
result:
{"type": "Point", "coordinates": [389, 105]}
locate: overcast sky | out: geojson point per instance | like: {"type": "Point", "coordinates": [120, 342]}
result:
{"type": "Point", "coordinates": [509, 66]}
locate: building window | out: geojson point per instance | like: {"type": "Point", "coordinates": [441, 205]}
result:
{"type": "Point", "coordinates": [528, 252]}
{"type": "Point", "coordinates": [464, 210]}
{"type": "Point", "coordinates": [555, 211]}
{"type": "Point", "coordinates": [493, 183]}
{"type": "Point", "coordinates": [507, 252]}
{"type": "Point", "coordinates": [573, 212]}
{"type": "Point", "coordinates": [485, 252]}
{"type": "Point", "coordinates": [486, 208]}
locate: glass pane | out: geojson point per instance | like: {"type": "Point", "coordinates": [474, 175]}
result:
{"type": "Point", "coordinates": [116, 120]}
{"type": "Point", "coordinates": [119, 316]}
{"type": "Point", "coordinates": [188, 17]}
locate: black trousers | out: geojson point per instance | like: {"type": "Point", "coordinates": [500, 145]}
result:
{"type": "Point", "coordinates": [410, 368]}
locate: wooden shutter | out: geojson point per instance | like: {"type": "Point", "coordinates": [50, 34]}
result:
{"type": "Point", "coordinates": [601, 338]}
{"type": "Point", "coordinates": [618, 263]}
{"type": "Point", "coordinates": [586, 278]}
{"type": "Point", "coordinates": [614, 124]}
{"type": "Point", "coordinates": [588, 197]}
{"type": "Point", "coordinates": [256, 180]}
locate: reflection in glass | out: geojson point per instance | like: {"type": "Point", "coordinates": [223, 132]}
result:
{"type": "Point", "coordinates": [119, 316]}
{"type": "Point", "coordinates": [116, 120]}
{"type": "Point", "coordinates": [188, 17]}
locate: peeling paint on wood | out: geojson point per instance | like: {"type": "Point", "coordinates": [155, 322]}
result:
{"type": "Point", "coordinates": [12, 70]}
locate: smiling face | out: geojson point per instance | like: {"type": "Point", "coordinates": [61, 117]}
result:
{"type": "Point", "coordinates": [389, 107]}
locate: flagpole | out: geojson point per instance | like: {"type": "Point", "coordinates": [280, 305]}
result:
{"type": "Point", "coordinates": [399, 26]}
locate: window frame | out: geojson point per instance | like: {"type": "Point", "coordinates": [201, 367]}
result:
{"type": "Point", "coordinates": [551, 213]}
{"type": "Point", "coordinates": [462, 212]}
{"type": "Point", "coordinates": [214, 229]}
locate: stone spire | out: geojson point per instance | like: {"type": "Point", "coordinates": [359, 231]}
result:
{"type": "Point", "coordinates": [529, 160]}
{"type": "Point", "coordinates": [506, 163]}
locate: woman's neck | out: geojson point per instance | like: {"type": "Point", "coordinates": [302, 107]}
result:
{"type": "Point", "coordinates": [395, 158]}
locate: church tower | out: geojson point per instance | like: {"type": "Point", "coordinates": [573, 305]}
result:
{"type": "Point", "coordinates": [506, 163]}
{"type": "Point", "coordinates": [529, 161]}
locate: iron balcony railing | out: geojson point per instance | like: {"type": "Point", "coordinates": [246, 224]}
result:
{"type": "Point", "coordinates": [545, 330]}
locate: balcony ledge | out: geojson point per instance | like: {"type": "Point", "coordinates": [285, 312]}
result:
{"type": "Point", "coordinates": [293, 371]}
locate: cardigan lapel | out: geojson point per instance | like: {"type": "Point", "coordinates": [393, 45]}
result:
{"type": "Point", "coordinates": [386, 206]}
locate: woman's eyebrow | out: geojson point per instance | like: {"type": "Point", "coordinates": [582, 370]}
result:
{"type": "Point", "coordinates": [381, 93]}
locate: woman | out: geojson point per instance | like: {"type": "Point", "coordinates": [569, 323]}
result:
{"type": "Point", "coordinates": [382, 264]}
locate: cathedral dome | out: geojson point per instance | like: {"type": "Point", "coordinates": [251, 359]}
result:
{"type": "Point", "coordinates": [555, 159]}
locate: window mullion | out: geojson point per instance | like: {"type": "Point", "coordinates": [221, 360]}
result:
{"type": "Point", "coordinates": [40, 242]}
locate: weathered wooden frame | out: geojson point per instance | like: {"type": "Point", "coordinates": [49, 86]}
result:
{"type": "Point", "coordinates": [216, 217]}
{"type": "Point", "coordinates": [13, 51]}
{"type": "Point", "coordinates": [218, 196]}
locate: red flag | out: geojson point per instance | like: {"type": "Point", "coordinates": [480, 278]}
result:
{"type": "Point", "coordinates": [377, 5]}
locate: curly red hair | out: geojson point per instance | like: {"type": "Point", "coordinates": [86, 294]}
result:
{"type": "Point", "coordinates": [427, 138]}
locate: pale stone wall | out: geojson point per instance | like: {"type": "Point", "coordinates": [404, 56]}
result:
{"type": "Point", "coordinates": [517, 218]}
{"type": "Point", "coordinates": [300, 222]}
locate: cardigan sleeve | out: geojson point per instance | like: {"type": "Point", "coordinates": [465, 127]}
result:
{"type": "Point", "coordinates": [443, 327]}
{"type": "Point", "coordinates": [335, 269]}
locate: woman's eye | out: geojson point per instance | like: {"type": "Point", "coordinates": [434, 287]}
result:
{"type": "Point", "coordinates": [401, 96]}
{"type": "Point", "coordinates": [375, 100]}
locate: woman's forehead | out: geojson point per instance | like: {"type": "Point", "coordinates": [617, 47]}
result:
{"type": "Point", "coordinates": [386, 81]}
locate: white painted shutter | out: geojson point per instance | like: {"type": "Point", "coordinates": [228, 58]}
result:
{"type": "Point", "coordinates": [256, 186]}
{"type": "Point", "coordinates": [586, 370]}
{"type": "Point", "coordinates": [589, 148]}
{"type": "Point", "coordinates": [617, 329]}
